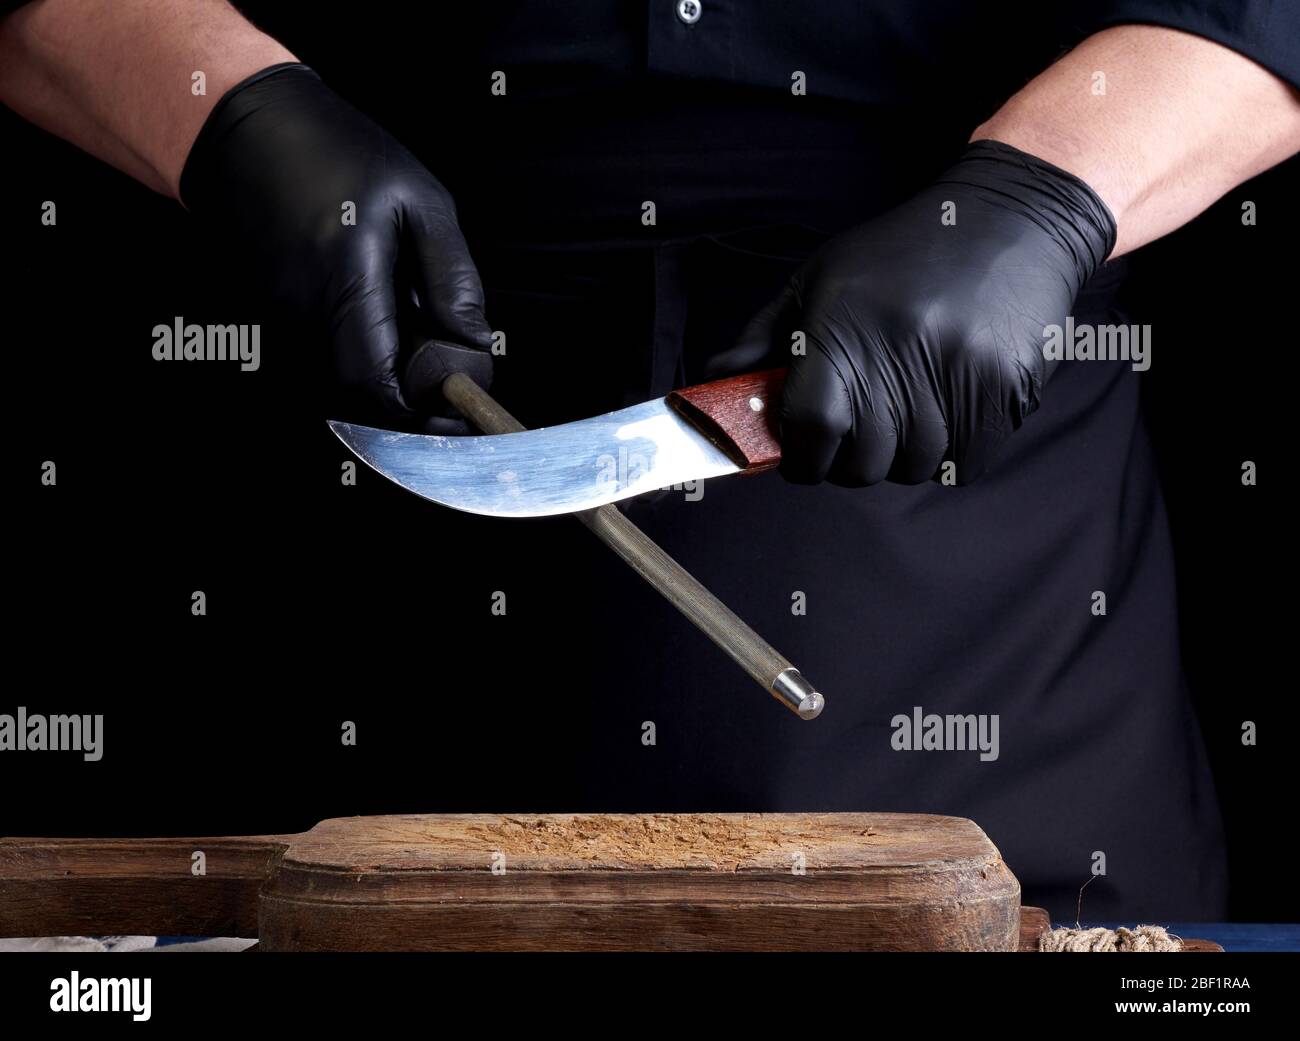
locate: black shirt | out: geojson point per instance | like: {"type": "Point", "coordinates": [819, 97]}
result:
{"type": "Point", "coordinates": [975, 603]}
{"type": "Point", "coordinates": [968, 602]}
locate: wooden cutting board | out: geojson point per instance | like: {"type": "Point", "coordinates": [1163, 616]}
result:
{"type": "Point", "coordinates": [834, 881]}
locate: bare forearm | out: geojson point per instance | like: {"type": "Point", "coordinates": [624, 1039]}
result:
{"type": "Point", "coordinates": [116, 77]}
{"type": "Point", "coordinates": [1176, 122]}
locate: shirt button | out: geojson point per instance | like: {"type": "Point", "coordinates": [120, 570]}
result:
{"type": "Point", "coordinates": [688, 11]}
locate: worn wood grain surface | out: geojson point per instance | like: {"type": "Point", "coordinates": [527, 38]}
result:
{"type": "Point", "coordinates": [643, 882]}
{"type": "Point", "coordinates": [538, 882]}
{"type": "Point", "coordinates": [116, 887]}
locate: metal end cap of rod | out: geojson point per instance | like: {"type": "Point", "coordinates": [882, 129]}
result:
{"type": "Point", "coordinates": [797, 694]}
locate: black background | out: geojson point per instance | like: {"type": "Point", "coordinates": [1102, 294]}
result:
{"type": "Point", "coordinates": [329, 603]}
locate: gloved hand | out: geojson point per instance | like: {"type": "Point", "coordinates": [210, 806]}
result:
{"type": "Point", "coordinates": [924, 339]}
{"type": "Point", "coordinates": [274, 166]}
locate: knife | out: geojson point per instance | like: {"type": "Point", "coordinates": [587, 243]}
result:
{"type": "Point", "coordinates": [584, 467]}
{"type": "Point", "coordinates": [693, 434]}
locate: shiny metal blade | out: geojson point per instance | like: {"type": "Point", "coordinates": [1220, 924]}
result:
{"type": "Point", "coordinates": [547, 471]}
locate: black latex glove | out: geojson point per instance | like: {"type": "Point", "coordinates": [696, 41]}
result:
{"type": "Point", "coordinates": [271, 170]}
{"type": "Point", "coordinates": [924, 341]}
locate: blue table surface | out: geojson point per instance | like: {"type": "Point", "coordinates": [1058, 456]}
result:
{"type": "Point", "coordinates": [1231, 936]}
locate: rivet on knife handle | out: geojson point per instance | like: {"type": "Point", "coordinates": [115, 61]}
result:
{"type": "Point", "coordinates": [717, 621]}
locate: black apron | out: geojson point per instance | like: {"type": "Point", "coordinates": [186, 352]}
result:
{"type": "Point", "coordinates": [927, 599]}
{"type": "Point", "coordinates": [974, 600]}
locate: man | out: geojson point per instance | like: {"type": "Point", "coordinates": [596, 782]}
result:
{"type": "Point", "coordinates": [661, 192]}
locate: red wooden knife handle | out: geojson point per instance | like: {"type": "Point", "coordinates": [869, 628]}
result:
{"type": "Point", "coordinates": [738, 415]}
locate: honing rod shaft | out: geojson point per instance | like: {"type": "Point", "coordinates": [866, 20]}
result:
{"type": "Point", "coordinates": [769, 668]}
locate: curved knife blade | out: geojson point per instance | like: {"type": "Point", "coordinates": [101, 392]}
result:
{"type": "Point", "coordinates": [547, 471]}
